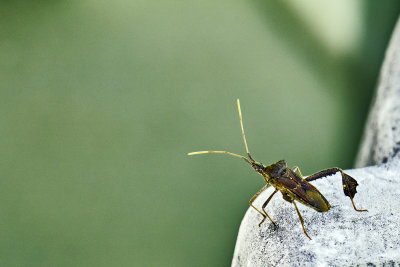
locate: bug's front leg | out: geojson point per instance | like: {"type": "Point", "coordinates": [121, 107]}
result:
{"type": "Point", "coordinates": [266, 214]}
{"type": "Point", "coordinates": [349, 183]}
{"type": "Point", "coordinates": [263, 208]}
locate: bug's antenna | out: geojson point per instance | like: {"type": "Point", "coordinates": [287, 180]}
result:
{"type": "Point", "coordinates": [244, 136]}
{"type": "Point", "coordinates": [230, 153]}
{"type": "Point", "coordinates": [219, 152]}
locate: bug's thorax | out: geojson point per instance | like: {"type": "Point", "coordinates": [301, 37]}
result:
{"type": "Point", "coordinates": [270, 172]}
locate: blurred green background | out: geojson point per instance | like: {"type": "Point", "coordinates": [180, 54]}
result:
{"type": "Point", "coordinates": [100, 102]}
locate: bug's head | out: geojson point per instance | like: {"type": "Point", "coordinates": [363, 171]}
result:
{"type": "Point", "coordinates": [276, 169]}
{"type": "Point", "coordinates": [258, 167]}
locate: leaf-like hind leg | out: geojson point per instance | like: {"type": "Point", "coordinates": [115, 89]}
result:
{"type": "Point", "coordinates": [349, 183]}
{"type": "Point", "coordinates": [263, 208]}
{"type": "Point", "coordinates": [323, 173]}
{"type": "Point", "coordinates": [301, 220]}
{"type": "Point", "coordinates": [254, 198]}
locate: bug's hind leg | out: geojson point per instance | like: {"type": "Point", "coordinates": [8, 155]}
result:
{"type": "Point", "coordinates": [354, 206]}
{"type": "Point", "coordinates": [349, 188]}
{"type": "Point", "coordinates": [251, 204]}
{"type": "Point", "coordinates": [349, 183]}
{"type": "Point", "coordinates": [301, 220]}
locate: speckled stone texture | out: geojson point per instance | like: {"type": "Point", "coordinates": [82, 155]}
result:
{"type": "Point", "coordinates": [341, 236]}
{"type": "Point", "coordinates": [381, 141]}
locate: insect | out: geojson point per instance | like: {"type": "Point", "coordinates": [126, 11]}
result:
{"type": "Point", "coordinates": [293, 186]}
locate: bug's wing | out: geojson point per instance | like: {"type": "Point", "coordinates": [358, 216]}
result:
{"type": "Point", "coordinates": [304, 192]}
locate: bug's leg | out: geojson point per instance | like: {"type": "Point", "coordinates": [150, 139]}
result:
{"type": "Point", "coordinates": [301, 220]}
{"type": "Point", "coordinates": [349, 183]}
{"type": "Point", "coordinates": [263, 208]}
{"type": "Point", "coordinates": [296, 168]}
{"type": "Point", "coordinates": [354, 206]}
{"type": "Point", "coordinates": [254, 198]}
{"type": "Point", "coordinates": [349, 188]}
{"type": "Point", "coordinates": [322, 174]}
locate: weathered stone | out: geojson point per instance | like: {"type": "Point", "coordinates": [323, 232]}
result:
{"type": "Point", "coordinates": [341, 236]}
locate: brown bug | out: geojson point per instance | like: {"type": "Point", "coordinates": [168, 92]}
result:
{"type": "Point", "coordinates": [293, 186]}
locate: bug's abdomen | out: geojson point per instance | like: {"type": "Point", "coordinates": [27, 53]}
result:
{"type": "Point", "coordinates": [302, 191]}
{"type": "Point", "coordinates": [316, 200]}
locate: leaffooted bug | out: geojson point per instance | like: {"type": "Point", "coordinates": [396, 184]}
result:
{"type": "Point", "coordinates": [293, 186]}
